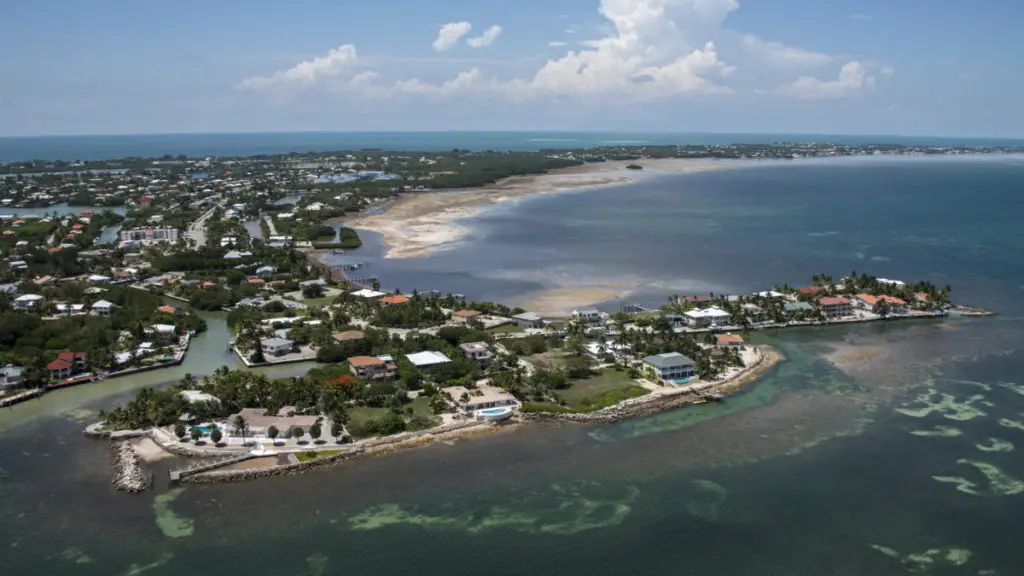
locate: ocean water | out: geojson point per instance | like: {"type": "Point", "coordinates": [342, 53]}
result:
{"type": "Point", "coordinates": [876, 449]}
{"type": "Point", "coordinates": [14, 149]}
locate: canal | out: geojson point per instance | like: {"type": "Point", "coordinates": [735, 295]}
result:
{"type": "Point", "coordinates": [207, 352]}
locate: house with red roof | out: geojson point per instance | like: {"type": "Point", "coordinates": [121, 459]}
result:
{"type": "Point", "coordinates": [67, 365]}
{"type": "Point", "coordinates": [836, 307]}
{"type": "Point", "coordinates": [869, 301]}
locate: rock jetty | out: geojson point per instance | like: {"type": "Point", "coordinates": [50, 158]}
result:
{"type": "Point", "coordinates": [128, 473]}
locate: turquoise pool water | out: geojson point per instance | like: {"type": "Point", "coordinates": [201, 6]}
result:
{"type": "Point", "coordinates": [494, 411]}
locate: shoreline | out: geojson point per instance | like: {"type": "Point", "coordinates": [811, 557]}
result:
{"type": "Point", "coordinates": [418, 224]}
{"type": "Point", "coordinates": [152, 445]}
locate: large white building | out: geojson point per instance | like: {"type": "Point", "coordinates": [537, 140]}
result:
{"type": "Point", "coordinates": [707, 317]}
{"type": "Point", "coordinates": [150, 235]}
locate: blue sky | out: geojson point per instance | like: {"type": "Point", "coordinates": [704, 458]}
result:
{"type": "Point", "coordinates": [913, 67]}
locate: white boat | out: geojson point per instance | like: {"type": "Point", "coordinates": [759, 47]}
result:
{"type": "Point", "coordinates": [494, 414]}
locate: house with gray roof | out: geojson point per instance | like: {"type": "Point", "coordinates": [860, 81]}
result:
{"type": "Point", "coordinates": [670, 366]}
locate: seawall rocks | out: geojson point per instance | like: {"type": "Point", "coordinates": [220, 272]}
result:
{"type": "Point", "coordinates": [128, 473]}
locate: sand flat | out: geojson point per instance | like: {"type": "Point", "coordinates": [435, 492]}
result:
{"type": "Point", "coordinates": [420, 223]}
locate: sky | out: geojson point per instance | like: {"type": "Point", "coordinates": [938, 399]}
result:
{"type": "Point", "coordinates": [912, 67]}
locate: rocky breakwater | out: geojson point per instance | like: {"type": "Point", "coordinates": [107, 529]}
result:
{"type": "Point", "coordinates": [129, 476]}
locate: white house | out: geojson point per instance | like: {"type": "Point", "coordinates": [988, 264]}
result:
{"type": "Point", "coordinates": [479, 398]}
{"type": "Point", "coordinates": [103, 308]}
{"type": "Point", "coordinates": [277, 346]}
{"type": "Point", "coordinates": [27, 301]}
{"type": "Point", "coordinates": [478, 352]}
{"type": "Point", "coordinates": [707, 317]}
{"type": "Point", "coordinates": [528, 320]}
{"type": "Point", "coordinates": [427, 359]}
{"type": "Point", "coordinates": [164, 332]}
{"type": "Point", "coordinates": [671, 366]}
{"type": "Point", "coordinates": [588, 315]}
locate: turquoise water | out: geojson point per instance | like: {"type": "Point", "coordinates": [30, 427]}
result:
{"type": "Point", "coordinates": [870, 450]}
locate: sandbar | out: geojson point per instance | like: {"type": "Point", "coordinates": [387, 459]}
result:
{"type": "Point", "coordinates": [419, 223]}
{"type": "Point", "coordinates": [558, 302]}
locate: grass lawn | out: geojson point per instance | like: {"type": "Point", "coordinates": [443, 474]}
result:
{"type": "Point", "coordinates": [315, 454]}
{"type": "Point", "coordinates": [609, 385]}
{"type": "Point", "coordinates": [421, 407]}
{"type": "Point", "coordinates": [361, 414]}
{"type": "Point", "coordinates": [506, 329]}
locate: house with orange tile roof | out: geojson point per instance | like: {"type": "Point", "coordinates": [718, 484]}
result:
{"type": "Point", "coordinates": [836, 307]}
{"type": "Point", "coordinates": [869, 301]}
{"type": "Point", "coordinates": [371, 368]}
{"type": "Point", "coordinates": [464, 316]}
{"type": "Point", "coordinates": [394, 299]}
{"type": "Point", "coordinates": [732, 340]}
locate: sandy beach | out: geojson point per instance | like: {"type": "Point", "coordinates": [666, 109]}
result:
{"type": "Point", "coordinates": [420, 223]}
{"type": "Point", "coordinates": [558, 302]}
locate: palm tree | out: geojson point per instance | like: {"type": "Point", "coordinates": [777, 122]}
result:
{"type": "Point", "coordinates": [240, 426]}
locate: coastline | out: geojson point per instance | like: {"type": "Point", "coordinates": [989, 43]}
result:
{"type": "Point", "coordinates": [152, 445]}
{"type": "Point", "coordinates": [420, 223]}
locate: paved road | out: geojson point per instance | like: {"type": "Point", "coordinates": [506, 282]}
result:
{"type": "Point", "coordinates": [197, 230]}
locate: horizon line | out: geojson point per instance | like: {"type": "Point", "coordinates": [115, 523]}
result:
{"type": "Point", "coordinates": [482, 131]}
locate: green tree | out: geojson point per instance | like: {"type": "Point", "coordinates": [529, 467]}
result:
{"type": "Point", "coordinates": [240, 427]}
{"type": "Point", "coordinates": [315, 431]}
{"type": "Point", "coordinates": [272, 433]}
{"type": "Point", "coordinates": [179, 430]}
{"type": "Point", "coordinates": [298, 433]}
{"type": "Point", "coordinates": [196, 434]}
{"type": "Point", "coordinates": [216, 435]}
{"type": "Point", "coordinates": [337, 429]}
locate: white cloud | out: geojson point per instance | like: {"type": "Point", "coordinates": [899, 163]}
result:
{"type": "Point", "coordinates": [887, 70]}
{"type": "Point", "coordinates": [449, 34]}
{"type": "Point", "coordinates": [486, 38]}
{"type": "Point", "coordinates": [648, 49]}
{"type": "Point", "coordinates": [853, 78]}
{"type": "Point", "coordinates": [782, 56]}
{"type": "Point", "coordinates": [336, 61]}
{"type": "Point", "coordinates": [463, 82]}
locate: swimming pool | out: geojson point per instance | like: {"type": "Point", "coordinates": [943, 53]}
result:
{"type": "Point", "coordinates": [203, 429]}
{"type": "Point", "coordinates": [494, 411]}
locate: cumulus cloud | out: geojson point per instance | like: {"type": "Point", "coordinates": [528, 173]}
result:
{"type": "Point", "coordinates": [780, 55]}
{"type": "Point", "coordinates": [853, 78]}
{"type": "Point", "coordinates": [465, 81]}
{"type": "Point", "coordinates": [648, 49]}
{"type": "Point", "coordinates": [449, 34]}
{"type": "Point", "coordinates": [486, 38]}
{"type": "Point", "coordinates": [337, 61]}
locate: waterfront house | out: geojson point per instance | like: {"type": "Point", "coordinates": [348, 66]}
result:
{"type": "Point", "coordinates": [67, 365]}
{"type": "Point", "coordinates": [198, 397]}
{"type": "Point", "coordinates": [371, 368]}
{"type": "Point", "coordinates": [729, 340]}
{"type": "Point", "coordinates": [427, 359]}
{"type": "Point", "coordinates": [168, 310]}
{"type": "Point", "coordinates": [10, 377]}
{"type": "Point", "coordinates": [27, 302]}
{"type": "Point", "coordinates": [588, 315]}
{"type": "Point", "coordinates": [368, 294]}
{"type": "Point", "coordinates": [670, 366]}
{"type": "Point", "coordinates": [836, 307]}
{"type": "Point", "coordinates": [394, 299]}
{"type": "Point", "coordinates": [18, 265]}
{"type": "Point", "coordinates": [478, 352]}
{"type": "Point", "coordinates": [479, 398]}
{"type": "Point", "coordinates": [165, 333]}
{"type": "Point", "coordinates": [869, 301]}
{"type": "Point", "coordinates": [464, 316]}
{"type": "Point", "coordinates": [277, 346]}
{"type": "Point", "coordinates": [706, 318]}
{"type": "Point", "coordinates": [528, 320]}
{"type": "Point", "coordinates": [103, 307]}
{"type": "Point", "coordinates": [265, 270]}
